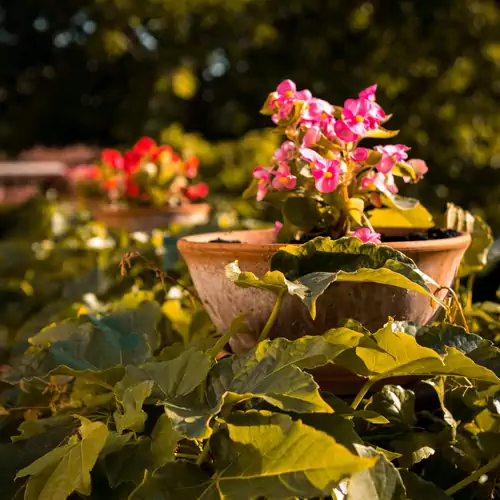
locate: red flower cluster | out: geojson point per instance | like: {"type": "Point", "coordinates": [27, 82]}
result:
{"type": "Point", "coordinates": [148, 174]}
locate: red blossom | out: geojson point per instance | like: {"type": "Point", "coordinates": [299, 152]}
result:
{"type": "Point", "coordinates": [196, 191]}
{"type": "Point", "coordinates": [112, 157]}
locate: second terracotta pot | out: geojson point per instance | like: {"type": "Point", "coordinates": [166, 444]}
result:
{"type": "Point", "coordinates": [146, 219]}
{"type": "Point", "coordinates": [370, 304]}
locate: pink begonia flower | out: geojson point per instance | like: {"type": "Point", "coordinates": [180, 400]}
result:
{"type": "Point", "coordinates": [311, 137]}
{"type": "Point", "coordinates": [319, 113]}
{"type": "Point", "coordinates": [285, 152]}
{"type": "Point", "coordinates": [369, 93]}
{"type": "Point", "coordinates": [359, 154]}
{"type": "Point", "coordinates": [366, 235]}
{"type": "Point", "coordinates": [325, 172]}
{"type": "Point", "coordinates": [283, 179]}
{"type": "Point", "coordinates": [263, 174]}
{"type": "Point", "coordinates": [285, 97]}
{"type": "Point", "coordinates": [277, 227]}
{"type": "Point", "coordinates": [420, 168]}
{"type": "Point", "coordinates": [382, 182]}
{"type": "Point", "coordinates": [390, 156]}
{"type": "Point", "coordinates": [359, 116]}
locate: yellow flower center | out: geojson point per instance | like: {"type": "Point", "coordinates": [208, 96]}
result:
{"type": "Point", "coordinates": [312, 164]}
{"type": "Point", "coordinates": [262, 181]}
{"type": "Point", "coordinates": [327, 175]}
{"type": "Point", "coordinates": [289, 93]}
{"type": "Point", "coordinates": [394, 158]}
{"type": "Point", "coordinates": [284, 180]}
{"type": "Point", "coordinates": [359, 119]}
{"type": "Point", "coordinates": [324, 116]}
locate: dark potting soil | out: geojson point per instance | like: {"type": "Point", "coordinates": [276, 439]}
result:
{"type": "Point", "coordinates": [434, 233]}
{"type": "Point", "coordinates": [219, 240]}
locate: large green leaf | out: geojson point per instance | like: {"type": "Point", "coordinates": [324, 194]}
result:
{"type": "Point", "coordinates": [272, 456]}
{"type": "Point", "coordinates": [271, 371]}
{"type": "Point", "coordinates": [66, 469]}
{"type": "Point", "coordinates": [380, 482]}
{"type": "Point", "coordinates": [398, 202]}
{"type": "Point", "coordinates": [130, 397]}
{"type": "Point", "coordinates": [177, 480]}
{"type": "Point", "coordinates": [348, 259]}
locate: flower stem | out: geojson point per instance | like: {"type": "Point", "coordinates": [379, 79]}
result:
{"type": "Point", "coordinates": [272, 316]}
{"type": "Point", "coordinates": [492, 464]}
{"type": "Point", "coordinates": [470, 285]}
{"type": "Point", "coordinates": [362, 393]}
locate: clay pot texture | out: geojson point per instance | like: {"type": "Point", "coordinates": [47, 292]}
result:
{"type": "Point", "coordinates": [370, 304]}
{"type": "Point", "coordinates": [146, 219]}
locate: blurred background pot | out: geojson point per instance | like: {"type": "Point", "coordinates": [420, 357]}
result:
{"type": "Point", "coordinates": [149, 218]}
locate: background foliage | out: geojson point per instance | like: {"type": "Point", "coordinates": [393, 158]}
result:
{"type": "Point", "coordinates": [104, 72]}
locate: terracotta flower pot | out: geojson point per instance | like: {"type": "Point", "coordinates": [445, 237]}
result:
{"type": "Point", "coordinates": [370, 304]}
{"type": "Point", "coordinates": [148, 218]}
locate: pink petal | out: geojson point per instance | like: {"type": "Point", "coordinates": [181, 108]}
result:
{"type": "Point", "coordinates": [286, 86]}
{"type": "Point", "coordinates": [344, 133]}
{"type": "Point", "coordinates": [366, 235]}
{"type": "Point", "coordinates": [312, 136]}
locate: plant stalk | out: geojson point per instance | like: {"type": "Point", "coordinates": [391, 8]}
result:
{"type": "Point", "coordinates": [272, 317]}
{"type": "Point", "coordinates": [492, 464]}
{"type": "Point", "coordinates": [362, 393]}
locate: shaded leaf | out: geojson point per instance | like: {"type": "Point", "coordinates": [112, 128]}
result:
{"type": "Point", "coordinates": [30, 428]}
{"type": "Point", "coordinates": [177, 480]}
{"type": "Point", "coordinates": [301, 212]}
{"type": "Point", "coordinates": [164, 441]}
{"type": "Point", "coordinates": [394, 403]}
{"type": "Point", "coordinates": [380, 482]}
{"type": "Point", "coordinates": [381, 133]}
{"type": "Point", "coordinates": [130, 397]}
{"type": "Point", "coordinates": [420, 489]}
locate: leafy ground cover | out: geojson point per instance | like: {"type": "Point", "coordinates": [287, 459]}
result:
{"type": "Point", "coordinates": [128, 395]}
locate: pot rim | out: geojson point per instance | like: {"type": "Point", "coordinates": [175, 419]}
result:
{"type": "Point", "coordinates": [202, 243]}
{"type": "Point", "coordinates": [126, 211]}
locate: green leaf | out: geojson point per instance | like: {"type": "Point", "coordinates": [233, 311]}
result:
{"type": "Point", "coordinates": [438, 337]}
{"type": "Point", "coordinates": [266, 107]}
{"type": "Point", "coordinates": [398, 202]}
{"type": "Point", "coordinates": [66, 469]}
{"type": "Point", "coordinates": [273, 282]}
{"type": "Point", "coordinates": [381, 133]}
{"type": "Point", "coordinates": [416, 218]}
{"type": "Point", "coordinates": [129, 464]}
{"type": "Point", "coordinates": [389, 354]}
{"type": "Point", "coordinates": [321, 261]}
{"type": "Point", "coordinates": [301, 212]}
{"type": "Point", "coordinates": [316, 284]}
{"type": "Point", "coordinates": [476, 256]}
{"type": "Point", "coordinates": [30, 428]}
{"type": "Point", "coordinates": [380, 482]}
{"type": "Point", "coordinates": [415, 447]}
{"type": "Point", "coordinates": [164, 441]}
{"type": "Point", "coordinates": [173, 378]}
{"type": "Point", "coordinates": [88, 346]}
{"type": "Point", "coordinates": [191, 417]}
{"type": "Point", "coordinates": [130, 397]}
{"type": "Point", "coordinates": [177, 480]}
{"type": "Point", "coordinates": [356, 208]}
{"type": "Point", "coordinates": [141, 320]}
{"type": "Point", "coordinates": [420, 489]}
{"type": "Point", "coordinates": [403, 169]}
{"type": "Point", "coordinates": [396, 404]}
{"type": "Point", "coordinates": [286, 387]}
{"type": "Point", "coordinates": [271, 457]}
{"type": "Point", "coordinates": [327, 255]}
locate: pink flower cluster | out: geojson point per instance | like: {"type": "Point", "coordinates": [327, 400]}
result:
{"type": "Point", "coordinates": [322, 149]}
